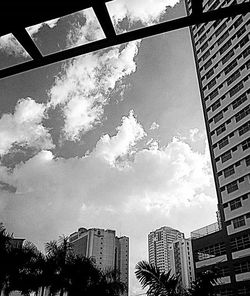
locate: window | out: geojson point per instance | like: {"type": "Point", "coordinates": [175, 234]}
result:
{"type": "Point", "coordinates": [240, 243]}
{"type": "Point", "coordinates": [238, 22]}
{"type": "Point", "coordinates": [214, 94]}
{"type": "Point", "coordinates": [222, 38]}
{"type": "Point", "coordinates": [236, 89]}
{"type": "Point", "coordinates": [204, 46]}
{"type": "Point", "coordinates": [226, 156]}
{"type": "Point", "coordinates": [231, 187]}
{"type": "Point", "coordinates": [218, 117]}
{"type": "Point", "coordinates": [243, 113]}
{"type": "Point", "coordinates": [208, 64]}
{"type": "Point", "coordinates": [211, 83]}
{"type": "Point", "coordinates": [221, 28]}
{"type": "Point", "coordinates": [233, 77]}
{"type": "Point", "coordinates": [246, 144]}
{"type": "Point", "coordinates": [246, 52]}
{"type": "Point", "coordinates": [247, 159]}
{"type": "Point", "coordinates": [206, 55]}
{"type": "Point", "coordinates": [216, 105]}
{"type": "Point", "coordinates": [220, 129]}
{"type": "Point", "coordinates": [235, 204]}
{"type": "Point", "coordinates": [229, 171]}
{"type": "Point", "coordinates": [241, 31]}
{"type": "Point", "coordinates": [209, 73]}
{"type": "Point", "coordinates": [242, 267]}
{"type": "Point", "coordinates": [239, 222]}
{"type": "Point", "coordinates": [228, 56]}
{"type": "Point", "coordinates": [225, 46]}
{"type": "Point", "coordinates": [244, 41]}
{"type": "Point", "coordinates": [223, 142]}
{"type": "Point", "coordinates": [230, 67]}
{"type": "Point", "coordinates": [210, 251]}
{"type": "Point", "coordinates": [239, 101]}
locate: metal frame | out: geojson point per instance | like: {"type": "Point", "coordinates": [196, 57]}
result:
{"type": "Point", "coordinates": [28, 13]}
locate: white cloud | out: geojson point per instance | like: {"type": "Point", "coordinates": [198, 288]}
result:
{"type": "Point", "coordinates": [24, 127]}
{"type": "Point", "coordinates": [33, 30]}
{"type": "Point", "coordinates": [146, 11]}
{"type": "Point", "coordinates": [10, 45]}
{"type": "Point", "coordinates": [170, 185]}
{"type": "Point", "coordinates": [110, 148]}
{"type": "Point", "coordinates": [84, 88]}
{"type": "Point", "coordinates": [154, 126]}
{"type": "Point", "coordinates": [91, 30]}
{"type": "Point", "coordinates": [195, 135]}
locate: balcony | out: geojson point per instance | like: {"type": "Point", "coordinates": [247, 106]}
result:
{"type": "Point", "coordinates": [212, 228]}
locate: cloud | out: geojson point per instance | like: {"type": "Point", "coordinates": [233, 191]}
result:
{"type": "Point", "coordinates": [111, 187]}
{"type": "Point", "coordinates": [195, 135]}
{"type": "Point", "coordinates": [10, 45]}
{"type": "Point", "coordinates": [24, 127]}
{"type": "Point", "coordinates": [33, 30]}
{"type": "Point", "coordinates": [146, 11]}
{"type": "Point", "coordinates": [84, 87]}
{"type": "Point", "coordinates": [128, 134]}
{"type": "Point", "coordinates": [154, 126]}
{"type": "Point", "coordinates": [88, 32]}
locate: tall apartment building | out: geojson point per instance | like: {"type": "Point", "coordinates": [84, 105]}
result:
{"type": "Point", "coordinates": [181, 261]}
{"type": "Point", "coordinates": [159, 242]}
{"type": "Point", "coordinates": [106, 249]}
{"type": "Point", "coordinates": [222, 56]}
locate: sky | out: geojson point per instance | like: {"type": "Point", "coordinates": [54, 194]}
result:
{"type": "Point", "coordinates": [114, 139]}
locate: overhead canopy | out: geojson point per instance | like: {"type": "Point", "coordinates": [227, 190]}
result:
{"type": "Point", "coordinates": [16, 16]}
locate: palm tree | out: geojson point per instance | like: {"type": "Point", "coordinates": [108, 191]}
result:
{"type": "Point", "coordinates": [158, 283]}
{"type": "Point", "coordinates": [204, 285]}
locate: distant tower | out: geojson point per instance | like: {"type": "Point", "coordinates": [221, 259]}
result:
{"type": "Point", "coordinates": [181, 261]}
{"type": "Point", "coordinates": [105, 248]}
{"type": "Point", "coordinates": [159, 242]}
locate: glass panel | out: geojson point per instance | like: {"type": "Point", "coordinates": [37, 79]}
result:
{"type": "Point", "coordinates": [66, 32]}
{"type": "Point", "coordinates": [11, 52]}
{"type": "Point", "coordinates": [135, 14]}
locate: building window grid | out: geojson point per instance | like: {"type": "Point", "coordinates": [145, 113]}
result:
{"type": "Point", "coordinates": [240, 100]}
{"type": "Point", "coordinates": [229, 171]}
{"type": "Point", "coordinates": [210, 252]}
{"type": "Point", "coordinates": [231, 187]}
{"type": "Point", "coordinates": [233, 77]}
{"type": "Point", "coordinates": [226, 156]}
{"type": "Point", "coordinates": [242, 267]}
{"type": "Point", "coordinates": [246, 144]}
{"type": "Point", "coordinates": [240, 243]}
{"type": "Point", "coordinates": [235, 204]}
{"type": "Point", "coordinates": [239, 222]}
{"type": "Point", "coordinates": [243, 113]}
{"type": "Point", "coordinates": [241, 43]}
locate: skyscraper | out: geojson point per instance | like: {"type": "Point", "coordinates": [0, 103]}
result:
{"type": "Point", "coordinates": [159, 242]}
{"type": "Point", "coordinates": [105, 248]}
{"type": "Point", "coordinates": [222, 56]}
{"type": "Point", "coordinates": [181, 261]}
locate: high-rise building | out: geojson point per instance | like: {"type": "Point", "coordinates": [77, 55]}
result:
{"type": "Point", "coordinates": [222, 56]}
{"type": "Point", "coordinates": [181, 261]}
{"type": "Point", "coordinates": [105, 248]}
{"type": "Point", "coordinates": [159, 242]}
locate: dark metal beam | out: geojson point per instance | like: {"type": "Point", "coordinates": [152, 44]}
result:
{"type": "Point", "coordinates": [102, 14]}
{"type": "Point", "coordinates": [196, 7]}
{"type": "Point", "coordinates": [128, 36]}
{"type": "Point", "coordinates": [24, 38]}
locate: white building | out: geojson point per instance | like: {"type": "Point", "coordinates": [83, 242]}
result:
{"type": "Point", "coordinates": [107, 250]}
{"type": "Point", "coordinates": [181, 261]}
{"type": "Point", "coordinates": [159, 242]}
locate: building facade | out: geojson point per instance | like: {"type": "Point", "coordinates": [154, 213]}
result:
{"type": "Point", "coordinates": [105, 248]}
{"type": "Point", "coordinates": [181, 261]}
{"type": "Point", "coordinates": [159, 242]}
{"type": "Point", "coordinates": [222, 56]}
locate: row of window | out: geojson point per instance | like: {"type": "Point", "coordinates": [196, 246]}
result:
{"type": "Point", "coordinates": [227, 69]}
{"type": "Point", "coordinates": [233, 186]}
{"type": "Point", "coordinates": [228, 80]}
{"type": "Point", "coordinates": [239, 221]}
{"type": "Point", "coordinates": [238, 116]}
{"type": "Point", "coordinates": [229, 171]}
{"type": "Point", "coordinates": [228, 154]}
{"type": "Point", "coordinates": [242, 267]}
{"type": "Point", "coordinates": [223, 49]}
{"type": "Point", "coordinates": [214, 25]}
{"type": "Point", "coordinates": [210, 252]}
{"type": "Point", "coordinates": [240, 243]}
{"type": "Point", "coordinates": [236, 203]}
{"type": "Point", "coordinates": [219, 41]}
{"type": "Point", "coordinates": [235, 104]}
